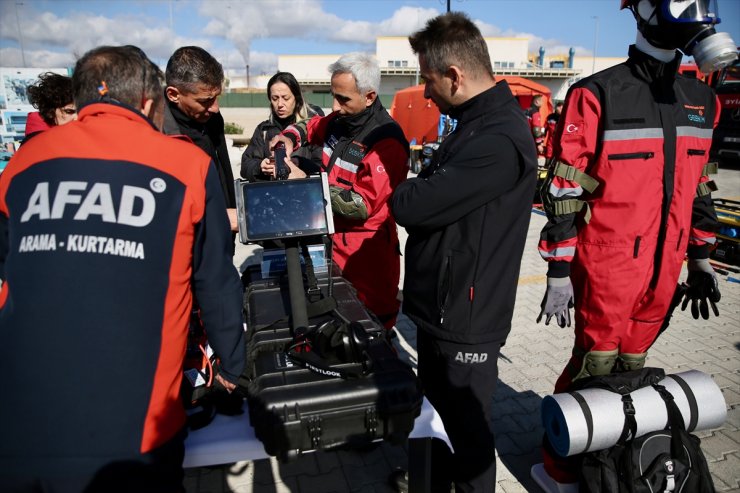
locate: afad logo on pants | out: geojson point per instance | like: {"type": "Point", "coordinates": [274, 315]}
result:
{"type": "Point", "coordinates": [471, 357]}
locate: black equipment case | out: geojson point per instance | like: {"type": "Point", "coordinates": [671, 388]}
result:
{"type": "Point", "coordinates": [295, 410]}
{"type": "Point", "coordinates": [267, 304]}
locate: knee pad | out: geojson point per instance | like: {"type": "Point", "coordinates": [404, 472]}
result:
{"type": "Point", "coordinates": [597, 363]}
{"type": "Point", "coordinates": [631, 361]}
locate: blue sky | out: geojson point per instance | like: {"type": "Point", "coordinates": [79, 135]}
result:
{"type": "Point", "coordinates": [55, 32]}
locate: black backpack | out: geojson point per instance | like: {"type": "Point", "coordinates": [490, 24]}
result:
{"type": "Point", "coordinates": [660, 461]}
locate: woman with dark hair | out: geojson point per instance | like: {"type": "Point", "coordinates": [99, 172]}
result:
{"type": "Point", "coordinates": [286, 107]}
{"type": "Point", "coordinates": [52, 96]}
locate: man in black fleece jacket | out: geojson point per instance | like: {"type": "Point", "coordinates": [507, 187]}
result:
{"type": "Point", "coordinates": [194, 81]}
{"type": "Point", "coordinates": [467, 216]}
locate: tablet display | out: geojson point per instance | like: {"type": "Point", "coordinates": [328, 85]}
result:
{"type": "Point", "coordinates": [281, 209]}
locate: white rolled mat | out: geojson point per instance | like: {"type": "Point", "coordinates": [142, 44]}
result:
{"type": "Point", "coordinates": [567, 426]}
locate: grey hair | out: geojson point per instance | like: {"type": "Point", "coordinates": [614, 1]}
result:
{"type": "Point", "coordinates": [363, 67]}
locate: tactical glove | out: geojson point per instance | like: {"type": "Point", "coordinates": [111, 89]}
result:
{"type": "Point", "coordinates": [558, 301]}
{"type": "Point", "coordinates": [347, 203]}
{"type": "Point", "coordinates": [702, 287]}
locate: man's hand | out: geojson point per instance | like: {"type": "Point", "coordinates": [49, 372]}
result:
{"type": "Point", "coordinates": [230, 387]}
{"type": "Point", "coordinates": [558, 301]}
{"type": "Point", "coordinates": [232, 219]}
{"type": "Point", "coordinates": [285, 140]}
{"type": "Point", "coordinates": [702, 287]}
{"type": "Point", "coordinates": [295, 171]}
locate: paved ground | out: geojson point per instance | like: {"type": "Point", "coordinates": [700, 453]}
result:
{"type": "Point", "coordinates": [530, 362]}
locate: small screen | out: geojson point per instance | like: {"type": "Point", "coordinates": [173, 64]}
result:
{"type": "Point", "coordinates": [285, 208]}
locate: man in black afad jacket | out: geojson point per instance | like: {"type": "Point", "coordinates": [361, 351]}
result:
{"type": "Point", "coordinates": [194, 81]}
{"type": "Point", "coordinates": [467, 216]}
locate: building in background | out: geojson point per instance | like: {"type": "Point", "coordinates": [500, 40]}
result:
{"type": "Point", "coordinates": [14, 104]}
{"type": "Point", "coordinates": [400, 69]}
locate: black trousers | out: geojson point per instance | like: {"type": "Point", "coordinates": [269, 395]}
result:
{"type": "Point", "coordinates": [459, 380]}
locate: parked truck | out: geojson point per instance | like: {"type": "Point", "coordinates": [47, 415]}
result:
{"type": "Point", "coordinates": [726, 140]}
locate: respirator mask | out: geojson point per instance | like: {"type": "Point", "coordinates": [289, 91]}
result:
{"type": "Point", "coordinates": [686, 25]}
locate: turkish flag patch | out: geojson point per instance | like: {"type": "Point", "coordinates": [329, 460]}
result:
{"type": "Point", "coordinates": [572, 128]}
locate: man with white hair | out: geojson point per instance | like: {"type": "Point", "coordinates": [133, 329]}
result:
{"type": "Point", "coordinates": [365, 156]}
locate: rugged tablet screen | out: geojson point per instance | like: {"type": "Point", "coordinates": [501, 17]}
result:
{"type": "Point", "coordinates": [281, 209]}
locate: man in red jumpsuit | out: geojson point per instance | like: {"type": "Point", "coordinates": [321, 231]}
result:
{"type": "Point", "coordinates": [534, 117]}
{"type": "Point", "coordinates": [627, 196]}
{"type": "Point", "coordinates": [550, 124]}
{"type": "Point", "coordinates": [366, 156]}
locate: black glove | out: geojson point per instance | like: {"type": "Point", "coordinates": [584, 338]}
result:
{"type": "Point", "coordinates": [558, 301]}
{"type": "Point", "coordinates": [702, 287]}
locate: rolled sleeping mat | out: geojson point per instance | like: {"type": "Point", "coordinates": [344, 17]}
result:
{"type": "Point", "coordinates": [592, 419]}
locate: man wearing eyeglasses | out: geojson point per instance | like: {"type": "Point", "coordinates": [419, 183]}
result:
{"type": "Point", "coordinates": [194, 80]}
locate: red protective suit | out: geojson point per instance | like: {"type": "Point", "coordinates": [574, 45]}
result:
{"type": "Point", "coordinates": [643, 133]}
{"type": "Point", "coordinates": [534, 117]}
{"type": "Point", "coordinates": [550, 124]}
{"type": "Point", "coordinates": [367, 154]}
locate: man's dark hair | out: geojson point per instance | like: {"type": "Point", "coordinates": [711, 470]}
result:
{"type": "Point", "coordinates": [191, 65]}
{"type": "Point", "coordinates": [452, 39]}
{"type": "Point", "coordinates": [50, 92]}
{"type": "Point", "coordinates": [289, 80]}
{"type": "Point", "coordinates": [120, 73]}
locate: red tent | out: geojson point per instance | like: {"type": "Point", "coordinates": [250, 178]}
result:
{"type": "Point", "coordinates": [419, 117]}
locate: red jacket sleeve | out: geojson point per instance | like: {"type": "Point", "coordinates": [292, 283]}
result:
{"type": "Point", "coordinates": [575, 144]}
